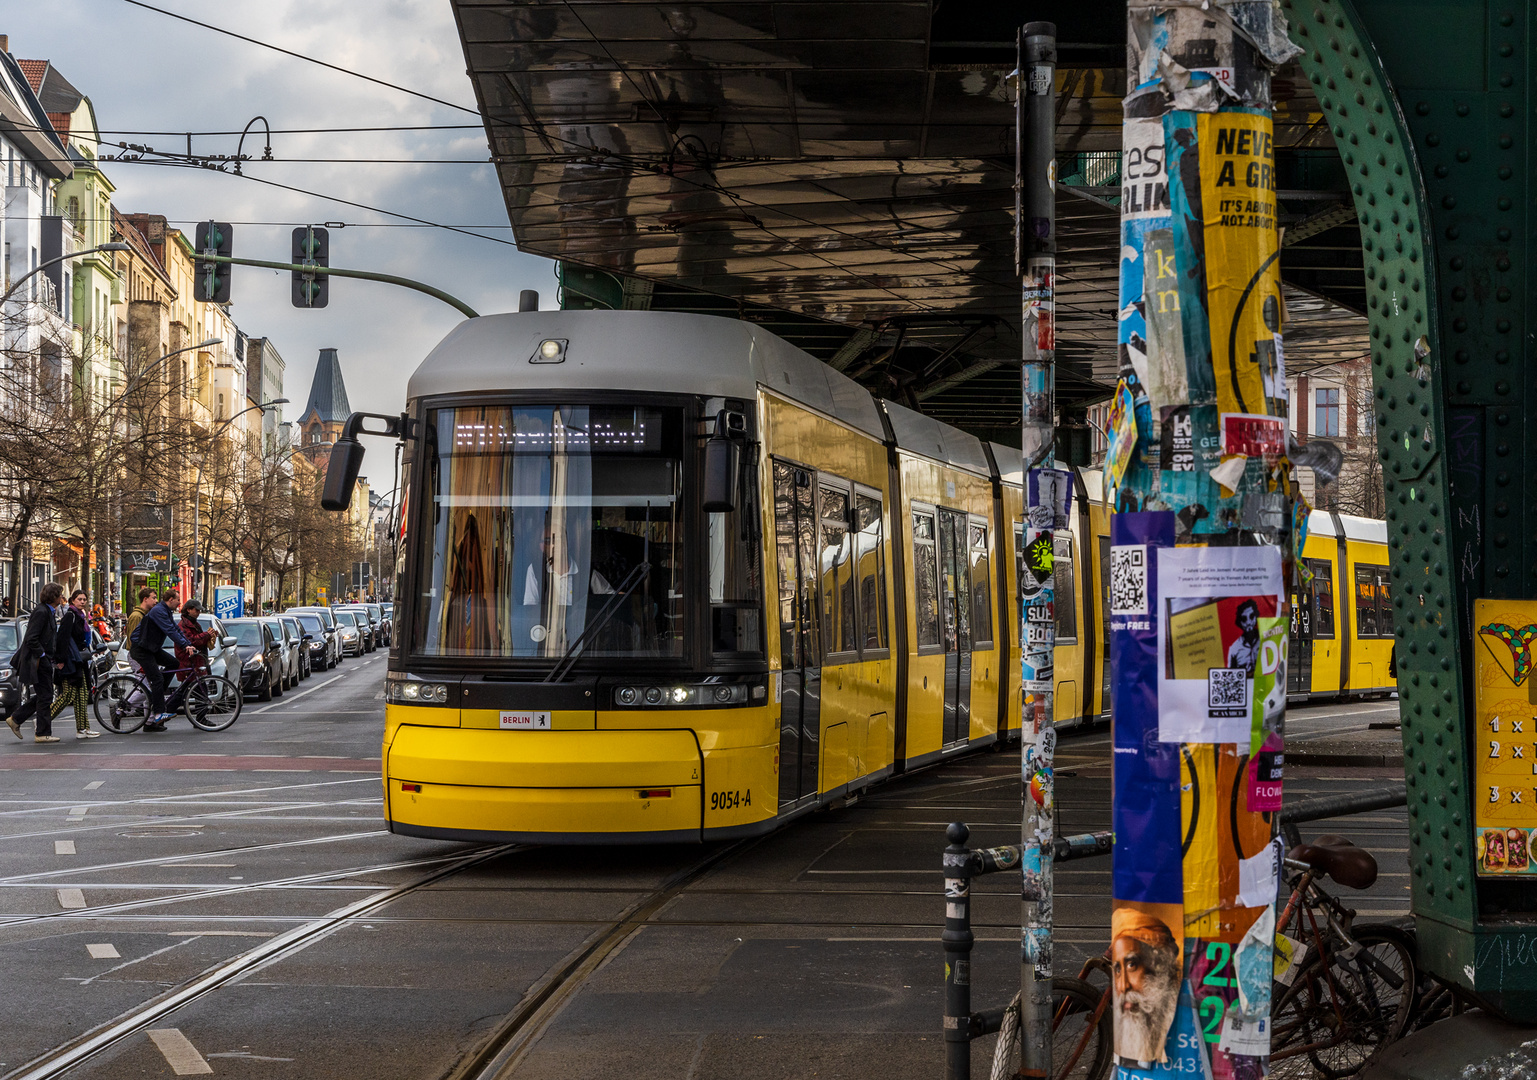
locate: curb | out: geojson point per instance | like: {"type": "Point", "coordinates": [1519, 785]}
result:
{"type": "Point", "coordinates": [1324, 757]}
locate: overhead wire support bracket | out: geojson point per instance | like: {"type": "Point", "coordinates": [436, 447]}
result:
{"type": "Point", "coordinates": [367, 275]}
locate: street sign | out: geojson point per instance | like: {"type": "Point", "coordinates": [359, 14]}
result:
{"type": "Point", "coordinates": [228, 602]}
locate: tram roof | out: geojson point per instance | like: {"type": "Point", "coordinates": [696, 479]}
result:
{"type": "Point", "coordinates": [842, 171]}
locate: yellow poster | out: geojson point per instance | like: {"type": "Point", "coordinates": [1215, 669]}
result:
{"type": "Point", "coordinates": [1243, 273]}
{"type": "Point", "coordinates": [1505, 744]}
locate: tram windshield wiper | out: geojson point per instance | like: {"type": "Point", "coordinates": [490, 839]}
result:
{"type": "Point", "coordinates": [563, 667]}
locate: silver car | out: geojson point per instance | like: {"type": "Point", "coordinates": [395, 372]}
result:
{"type": "Point", "coordinates": [290, 644]}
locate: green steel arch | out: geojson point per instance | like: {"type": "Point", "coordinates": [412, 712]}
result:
{"type": "Point", "coordinates": [1430, 105]}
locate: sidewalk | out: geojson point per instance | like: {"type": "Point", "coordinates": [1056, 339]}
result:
{"type": "Point", "coordinates": [1346, 734]}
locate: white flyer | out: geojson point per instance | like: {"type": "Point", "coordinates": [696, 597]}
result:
{"type": "Point", "coordinates": [1210, 603]}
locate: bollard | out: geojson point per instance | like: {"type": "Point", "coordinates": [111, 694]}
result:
{"type": "Point", "coordinates": [958, 942]}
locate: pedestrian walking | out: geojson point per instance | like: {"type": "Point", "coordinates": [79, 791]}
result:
{"type": "Point", "coordinates": [74, 651]}
{"type": "Point", "coordinates": [33, 662]}
{"type": "Point", "coordinates": [147, 640]}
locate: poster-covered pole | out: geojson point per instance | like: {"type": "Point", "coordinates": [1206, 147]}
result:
{"type": "Point", "coordinates": [1045, 510]}
{"type": "Point", "coordinates": [1203, 540]}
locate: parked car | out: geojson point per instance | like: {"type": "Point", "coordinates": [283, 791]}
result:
{"type": "Point", "coordinates": [290, 643]}
{"type": "Point", "coordinates": [328, 617]}
{"type": "Point", "coordinates": [12, 691]}
{"type": "Point", "coordinates": [382, 624]}
{"type": "Point", "coordinates": [292, 625]}
{"type": "Point", "coordinates": [352, 639]}
{"type": "Point", "coordinates": [324, 648]}
{"type": "Point", "coordinates": [366, 625]}
{"type": "Point", "coordinates": [260, 653]}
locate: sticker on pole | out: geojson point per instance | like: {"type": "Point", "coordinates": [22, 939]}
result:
{"type": "Point", "coordinates": [1051, 491]}
{"type": "Point", "coordinates": [1253, 435]}
{"type": "Point", "coordinates": [1128, 579]}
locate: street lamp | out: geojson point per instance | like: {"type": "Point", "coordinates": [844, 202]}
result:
{"type": "Point", "coordinates": [116, 245]}
{"type": "Point", "coordinates": [197, 493]}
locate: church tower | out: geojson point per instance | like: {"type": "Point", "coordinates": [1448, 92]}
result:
{"type": "Point", "coordinates": [326, 412]}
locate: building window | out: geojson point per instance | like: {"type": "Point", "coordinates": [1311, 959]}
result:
{"type": "Point", "coordinates": [1326, 412]}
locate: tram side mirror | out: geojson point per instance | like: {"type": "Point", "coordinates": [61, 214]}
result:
{"type": "Point", "coordinates": [722, 468]}
{"type": "Point", "coordinates": [342, 474]}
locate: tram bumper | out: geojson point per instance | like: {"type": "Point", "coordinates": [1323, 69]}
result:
{"type": "Point", "coordinates": [598, 787]}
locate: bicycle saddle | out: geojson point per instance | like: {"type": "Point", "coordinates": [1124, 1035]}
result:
{"type": "Point", "coordinates": [1341, 860]}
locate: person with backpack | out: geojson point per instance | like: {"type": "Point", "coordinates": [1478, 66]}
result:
{"type": "Point", "coordinates": [146, 642]}
{"type": "Point", "coordinates": [33, 661]}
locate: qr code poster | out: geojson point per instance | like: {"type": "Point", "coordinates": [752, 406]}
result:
{"type": "Point", "coordinates": [1128, 580]}
{"type": "Point", "coordinates": [1210, 634]}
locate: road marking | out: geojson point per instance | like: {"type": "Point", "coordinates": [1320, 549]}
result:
{"type": "Point", "coordinates": [103, 952]}
{"type": "Point", "coordinates": [219, 933]}
{"type": "Point", "coordinates": [78, 811]}
{"type": "Point", "coordinates": [300, 694]}
{"type": "Point", "coordinates": [71, 899]}
{"type": "Point", "coordinates": [136, 960]}
{"type": "Point", "coordinates": [197, 866]}
{"type": "Point", "coordinates": [64, 847]}
{"type": "Point", "coordinates": [179, 1052]}
{"type": "Point", "coordinates": [94, 784]}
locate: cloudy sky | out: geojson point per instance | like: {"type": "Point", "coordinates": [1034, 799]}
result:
{"type": "Point", "coordinates": [148, 72]}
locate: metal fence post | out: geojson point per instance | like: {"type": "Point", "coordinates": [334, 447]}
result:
{"type": "Point", "coordinates": [958, 942]}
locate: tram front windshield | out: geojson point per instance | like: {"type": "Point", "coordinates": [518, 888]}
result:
{"type": "Point", "coordinates": [553, 529]}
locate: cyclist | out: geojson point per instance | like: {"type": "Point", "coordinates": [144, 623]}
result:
{"type": "Point", "coordinates": [147, 640]}
{"type": "Point", "coordinates": [193, 658]}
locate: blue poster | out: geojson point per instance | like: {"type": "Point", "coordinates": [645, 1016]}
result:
{"type": "Point", "coordinates": [1147, 857]}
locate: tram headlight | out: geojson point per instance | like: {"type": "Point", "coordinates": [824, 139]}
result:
{"type": "Point", "coordinates": [653, 695]}
{"type": "Point", "coordinates": [707, 695]}
{"type": "Point", "coordinates": [625, 695]}
{"type": "Point", "coordinates": [679, 695]}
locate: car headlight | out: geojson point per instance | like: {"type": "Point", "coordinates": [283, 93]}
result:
{"type": "Point", "coordinates": [6, 673]}
{"type": "Point", "coordinates": [411, 692]}
{"type": "Point", "coordinates": [686, 695]}
{"type": "Point", "coordinates": [256, 663]}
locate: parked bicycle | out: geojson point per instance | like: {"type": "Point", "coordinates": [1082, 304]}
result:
{"type": "Point", "coordinates": [210, 702]}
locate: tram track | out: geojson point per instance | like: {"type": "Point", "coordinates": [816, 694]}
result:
{"type": "Point", "coordinates": [65, 1056]}
{"type": "Point", "coordinates": [500, 1053]}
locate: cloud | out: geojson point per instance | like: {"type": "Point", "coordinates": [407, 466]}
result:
{"type": "Point", "coordinates": [144, 71]}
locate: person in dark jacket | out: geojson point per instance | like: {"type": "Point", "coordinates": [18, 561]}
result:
{"type": "Point", "coordinates": [148, 638]}
{"type": "Point", "coordinates": [74, 652]}
{"type": "Point", "coordinates": [33, 662]}
{"type": "Point", "coordinates": [194, 655]}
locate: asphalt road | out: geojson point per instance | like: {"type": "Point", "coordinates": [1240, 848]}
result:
{"type": "Point", "coordinates": [190, 902]}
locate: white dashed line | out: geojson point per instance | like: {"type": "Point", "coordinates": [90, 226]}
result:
{"type": "Point", "coordinates": [103, 952]}
{"type": "Point", "coordinates": [64, 847]}
{"type": "Point", "coordinates": [179, 1052]}
{"type": "Point", "coordinates": [79, 811]}
{"type": "Point", "coordinates": [94, 784]}
{"type": "Point", "coordinates": [71, 899]}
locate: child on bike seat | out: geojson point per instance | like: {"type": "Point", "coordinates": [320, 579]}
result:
{"type": "Point", "coordinates": [195, 654]}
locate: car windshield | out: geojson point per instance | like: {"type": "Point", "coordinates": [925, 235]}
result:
{"type": "Point", "coordinates": [311, 624]}
{"type": "Point", "coordinates": [278, 630]}
{"type": "Point", "coordinates": [345, 618]}
{"type": "Point", "coordinates": [246, 633]}
{"type": "Point", "coordinates": [549, 522]}
{"type": "Point", "coordinates": [8, 638]}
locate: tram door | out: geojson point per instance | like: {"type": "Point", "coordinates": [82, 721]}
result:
{"type": "Point", "coordinates": [955, 581]}
{"type": "Point", "coordinates": [1299, 651]}
{"type": "Point", "coordinates": [800, 646]}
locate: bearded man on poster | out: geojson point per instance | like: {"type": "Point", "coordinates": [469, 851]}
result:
{"type": "Point", "coordinates": [1145, 969]}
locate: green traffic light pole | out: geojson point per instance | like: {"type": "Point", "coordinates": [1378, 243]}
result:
{"type": "Point", "coordinates": [368, 275]}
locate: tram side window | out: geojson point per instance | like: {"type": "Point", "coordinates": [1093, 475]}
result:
{"type": "Point", "coordinates": [1374, 611]}
{"type": "Point", "coordinates": [870, 559]}
{"type": "Point", "coordinates": [1323, 598]}
{"type": "Point", "coordinates": [837, 574]}
{"type": "Point", "coordinates": [981, 587]}
{"type": "Point", "coordinates": [735, 541]}
{"type": "Point", "coordinates": [1065, 586]}
{"type": "Point", "coordinates": [926, 577]}
{"type": "Point", "coordinates": [784, 548]}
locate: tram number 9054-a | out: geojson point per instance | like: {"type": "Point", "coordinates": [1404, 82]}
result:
{"type": "Point", "coordinates": [730, 800]}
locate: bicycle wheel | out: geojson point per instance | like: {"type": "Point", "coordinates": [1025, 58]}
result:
{"type": "Point", "coordinates": [1333, 1021]}
{"type": "Point", "coordinates": [1080, 1030]}
{"type": "Point", "coordinates": [122, 704]}
{"type": "Point", "coordinates": [211, 702]}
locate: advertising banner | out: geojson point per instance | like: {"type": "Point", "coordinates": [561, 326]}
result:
{"type": "Point", "coordinates": [1505, 747]}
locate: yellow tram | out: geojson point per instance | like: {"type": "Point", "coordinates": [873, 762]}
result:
{"type": "Point", "coordinates": [665, 577]}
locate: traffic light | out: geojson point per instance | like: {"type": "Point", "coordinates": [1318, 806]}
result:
{"type": "Point", "coordinates": [312, 247]}
{"type": "Point", "coordinates": [210, 282]}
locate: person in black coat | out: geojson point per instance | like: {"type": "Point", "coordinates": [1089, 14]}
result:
{"type": "Point", "coordinates": [33, 662]}
{"type": "Point", "coordinates": [74, 652]}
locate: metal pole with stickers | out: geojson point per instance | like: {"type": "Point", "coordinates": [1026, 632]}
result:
{"type": "Point", "coordinates": [1203, 539]}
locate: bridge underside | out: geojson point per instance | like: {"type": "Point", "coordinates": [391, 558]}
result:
{"type": "Point", "coordinates": [843, 173]}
